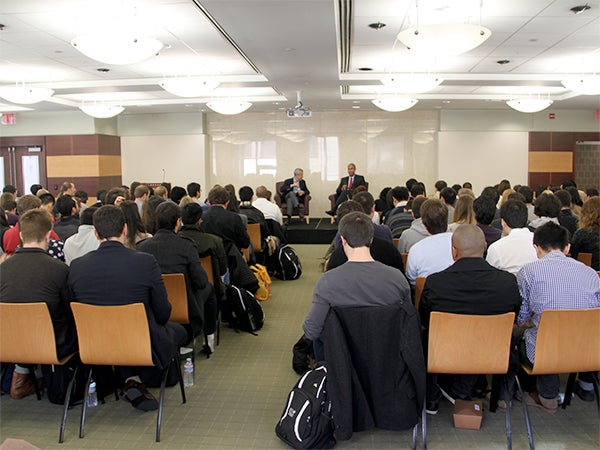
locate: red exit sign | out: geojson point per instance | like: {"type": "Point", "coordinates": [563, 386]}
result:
{"type": "Point", "coordinates": [8, 119]}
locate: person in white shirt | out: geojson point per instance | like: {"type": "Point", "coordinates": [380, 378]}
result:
{"type": "Point", "coordinates": [84, 241]}
{"type": "Point", "coordinates": [269, 209]}
{"type": "Point", "coordinates": [434, 253]}
{"type": "Point", "coordinates": [515, 248]}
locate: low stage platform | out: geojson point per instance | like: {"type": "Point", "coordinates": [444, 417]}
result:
{"type": "Point", "coordinates": [318, 231]}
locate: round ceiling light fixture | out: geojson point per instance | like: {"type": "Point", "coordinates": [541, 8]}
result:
{"type": "Point", "coordinates": [444, 39]}
{"type": "Point", "coordinates": [394, 104]}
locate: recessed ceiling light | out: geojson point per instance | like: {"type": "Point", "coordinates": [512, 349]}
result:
{"type": "Point", "coordinates": [289, 49]}
{"type": "Point", "coordinates": [503, 61]}
{"type": "Point", "coordinates": [446, 101]}
{"type": "Point", "coordinates": [377, 25]}
{"type": "Point", "coordinates": [355, 101]}
{"type": "Point", "coordinates": [103, 69]}
{"type": "Point", "coordinates": [365, 69]}
{"type": "Point", "coordinates": [580, 8]}
{"type": "Point", "coordinates": [355, 107]}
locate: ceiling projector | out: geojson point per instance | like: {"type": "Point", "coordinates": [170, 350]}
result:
{"type": "Point", "coordinates": [299, 110]}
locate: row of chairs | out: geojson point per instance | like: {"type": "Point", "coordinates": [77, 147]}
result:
{"type": "Point", "coordinates": [473, 344]}
{"type": "Point", "coordinates": [107, 335]}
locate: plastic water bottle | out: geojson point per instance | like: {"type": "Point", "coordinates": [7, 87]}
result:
{"type": "Point", "coordinates": [188, 373]}
{"type": "Point", "coordinates": [92, 395]}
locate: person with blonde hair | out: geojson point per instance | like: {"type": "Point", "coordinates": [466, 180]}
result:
{"type": "Point", "coordinates": [587, 237]}
{"type": "Point", "coordinates": [463, 213]}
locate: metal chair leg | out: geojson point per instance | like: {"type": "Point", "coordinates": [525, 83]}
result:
{"type": "Point", "coordinates": [424, 426]}
{"type": "Point", "coordinates": [507, 397]}
{"type": "Point", "coordinates": [84, 404]}
{"type": "Point", "coordinates": [526, 413]}
{"type": "Point", "coordinates": [595, 383]}
{"type": "Point", "coordinates": [177, 363]}
{"type": "Point", "coordinates": [160, 403]}
{"type": "Point", "coordinates": [66, 406]}
{"type": "Point", "coordinates": [569, 390]}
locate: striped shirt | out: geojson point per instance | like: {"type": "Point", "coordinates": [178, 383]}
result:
{"type": "Point", "coordinates": [554, 282]}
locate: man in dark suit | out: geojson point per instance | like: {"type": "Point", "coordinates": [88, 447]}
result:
{"type": "Point", "coordinates": [346, 187]}
{"type": "Point", "coordinates": [469, 286]}
{"type": "Point", "coordinates": [116, 275]}
{"type": "Point", "coordinates": [294, 191]}
{"type": "Point", "coordinates": [226, 224]}
{"type": "Point", "coordinates": [176, 254]}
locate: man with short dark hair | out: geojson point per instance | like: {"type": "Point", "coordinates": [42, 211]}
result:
{"type": "Point", "coordinates": [566, 218]}
{"type": "Point", "coordinates": [141, 194]}
{"type": "Point", "coordinates": [527, 192]}
{"type": "Point", "coordinates": [448, 197]}
{"type": "Point", "coordinates": [553, 281]}
{"type": "Point", "coordinates": [515, 248]}
{"type": "Point", "coordinates": [253, 214]}
{"type": "Point", "coordinates": [226, 224]}
{"type": "Point", "coordinates": [84, 241]}
{"type": "Point", "coordinates": [485, 209]}
{"type": "Point", "coordinates": [175, 254]}
{"type": "Point", "coordinates": [117, 275]}
{"type": "Point", "coordinates": [434, 253]}
{"type": "Point", "coordinates": [361, 281]}
{"type": "Point", "coordinates": [194, 191]}
{"type": "Point", "coordinates": [400, 195]}
{"type": "Point", "coordinates": [469, 286]}
{"type": "Point", "coordinates": [31, 275]}
{"type": "Point", "coordinates": [547, 208]}
{"type": "Point", "coordinates": [68, 223]}
{"type": "Point", "coordinates": [417, 230]}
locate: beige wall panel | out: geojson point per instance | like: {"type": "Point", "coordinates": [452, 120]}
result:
{"type": "Point", "coordinates": [110, 165]}
{"type": "Point", "coordinates": [72, 166]}
{"type": "Point", "coordinates": [550, 161]}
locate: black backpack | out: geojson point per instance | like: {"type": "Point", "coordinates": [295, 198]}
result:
{"type": "Point", "coordinates": [246, 312]}
{"type": "Point", "coordinates": [306, 420]}
{"type": "Point", "coordinates": [289, 267]}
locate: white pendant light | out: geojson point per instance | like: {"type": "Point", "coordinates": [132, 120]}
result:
{"type": "Point", "coordinates": [189, 86]}
{"type": "Point", "coordinates": [117, 48]}
{"type": "Point", "coordinates": [101, 110]}
{"type": "Point", "coordinates": [585, 85]}
{"type": "Point", "coordinates": [229, 107]}
{"type": "Point", "coordinates": [25, 95]}
{"type": "Point", "coordinates": [444, 39]}
{"type": "Point", "coordinates": [529, 105]}
{"type": "Point", "coordinates": [394, 104]}
{"type": "Point", "coordinates": [412, 83]}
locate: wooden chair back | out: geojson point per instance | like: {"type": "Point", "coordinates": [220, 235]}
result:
{"type": "Point", "coordinates": [113, 335]}
{"type": "Point", "coordinates": [206, 262]}
{"type": "Point", "coordinates": [469, 344]}
{"type": "Point", "coordinates": [567, 341]}
{"type": "Point", "coordinates": [27, 334]}
{"type": "Point", "coordinates": [585, 258]}
{"type": "Point", "coordinates": [419, 285]}
{"type": "Point", "coordinates": [177, 294]}
{"type": "Point", "coordinates": [253, 230]}
{"type": "Point", "coordinates": [404, 256]}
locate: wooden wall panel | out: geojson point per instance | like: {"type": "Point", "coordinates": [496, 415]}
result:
{"type": "Point", "coordinates": [539, 141]}
{"type": "Point", "coordinates": [550, 162]}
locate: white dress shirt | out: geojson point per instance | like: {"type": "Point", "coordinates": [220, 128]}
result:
{"type": "Point", "coordinates": [512, 252]}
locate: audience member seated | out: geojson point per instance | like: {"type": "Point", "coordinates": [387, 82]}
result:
{"type": "Point", "coordinates": [115, 196]}
{"type": "Point", "coordinates": [194, 191]}
{"type": "Point", "coordinates": [346, 188]}
{"type": "Point", "coordinates": [117, 275]}
{"type": "Point", "coordinates": [136, 231]}
{"type": "Point", "coordinates": [434, 253]}
{"type": "Point", "coordinates": [361, 281]}
{"type": "Point", "coordinates": [381, 204]}
{"type": "Point", "coordinates": [269, 209]}
{"type": "Point", "coordinates": [84, 241]}
{"type": "Point", "coordinates": [469, 286]}
{"type": "Point", "coordinates": [484, 209]}
{"type": "Point", "coordinates": [225, 224]}
{"type": "Point", "coordinates": [9, 204]}
{"type": "Point", "coordinates": [11, 238]}
{"type": "Point", "coordinates": [448, 198]}
{"type": "Point", "coordinates": [177, 193]}
{"type": "Point", "coordinates": [81, 197]}
{"type": "Point", "coordinates": [68, 223]}
{"type": "Point", "coordinates": [366, 201]}
{"type": "Point", "coordinates": [577, 287]}
{"type": "Point", "coordinates": [141, 194]}
{"type": "Point", "coordinates": [294, 191]}
{"type": "Point", "coordinates": [547, 208]}
{"type": "Point", "coordinates": [576, 201]}
{"type": "Point", "coordinates": [253, 214]}
{"type": "Point", "coordinates": [463, 213]}
{"type": "Point", "coordinates": [175, 254]}
{"type": "Point", "coordinates": [439, 186]}
{"type": "Point", "coordinates": [515, 248]}
{"type": "Point", "coordinates": [587, 237]}
{"type": "Point", "coordinates": [399, 196]}
{"type": "Point", "coordinates": [566, 217]}
{"type": "Point", "coordinates": [381, 250]}
{"type": "Point", "coordinates": [417, 230]}
{"type": "Point", "coordinates": [31, 275]}
{"type": "Point", "coordinates": [527, 193]}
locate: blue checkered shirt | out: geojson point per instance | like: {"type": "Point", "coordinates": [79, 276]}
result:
{"type": "Point", "coordinates": [554, 282]}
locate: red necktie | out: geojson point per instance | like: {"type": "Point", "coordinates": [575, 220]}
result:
{"type": "Point", "coordinates": [350, 183]}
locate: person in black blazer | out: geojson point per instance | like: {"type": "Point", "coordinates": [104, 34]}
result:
{"type": "Point", "coordinates": [226, 224]}
{"type": "Point", "coordinates": [294, 191]}
{"type": "Point", "coordinates": [347, 186]}
{"type": "Point", "coordinates": [117, 275]}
